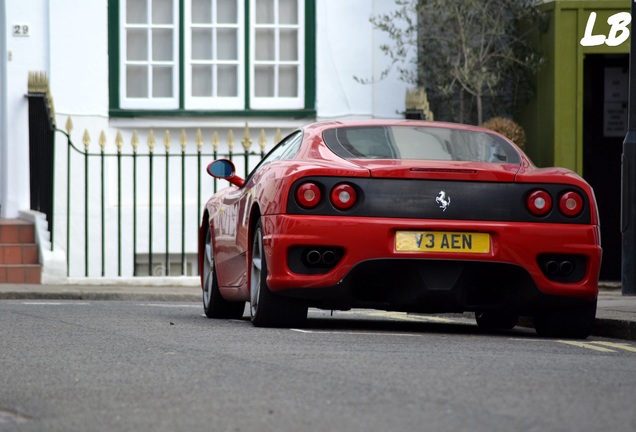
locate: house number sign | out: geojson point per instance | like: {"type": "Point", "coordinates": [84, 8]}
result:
{"type": "Point", "coordinates": [21, 30]}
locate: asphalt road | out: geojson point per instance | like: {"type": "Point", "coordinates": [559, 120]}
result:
{"type": "Point", "coordinates": [124, 366]}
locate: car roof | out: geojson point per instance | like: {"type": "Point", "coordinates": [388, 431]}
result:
{"type": "Point", "coordinates": [330, 124]}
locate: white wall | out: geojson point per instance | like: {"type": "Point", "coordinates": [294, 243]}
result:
{"type": "Point", "coordinates": [19, 56]}
{"type": "Point", "coordinates": [79, 57]}
{"type": "Point", "coordinates": [348, 46]}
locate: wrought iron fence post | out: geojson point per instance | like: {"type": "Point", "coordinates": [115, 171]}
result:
{"type": "Point", "coordinates": [151, 147]}
{"type": "Point", "coordinates": [102, 145]}
{"type": "Point", "coordinates": [247, 143]}
{"type": "Point", "coordinates": [184, 143]}
{"type": "Point", "coordinates": [87, 141]}
{"type": "Point", "coordinates": [135, 144]}
{"type": "Point", "coordinates": [167, 142]}
{"type": "Point", "coordinates": [119, 142]}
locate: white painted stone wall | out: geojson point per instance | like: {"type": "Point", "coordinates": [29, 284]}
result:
{"type": "Point", "coordinates": [19, 55]}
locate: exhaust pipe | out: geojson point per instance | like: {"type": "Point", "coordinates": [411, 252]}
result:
{"type": "Point", "coordinates": [566, 268]}
{"type": "Point", "coordinates": [328, 258]}
{"type": "Point", "coordinates": [313, 257]}
{"type": "Point", "coordinates": [552, 267]}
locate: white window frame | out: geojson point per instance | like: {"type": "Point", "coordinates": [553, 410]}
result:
{"type": "Point", "coordinates": [214, 103]}
{"type": "Point", "coordinates": [275, 102]}
{"type": "Point", "coordinates": [182, 61]}
{"type": "Point", "coordinates": [149, 102]}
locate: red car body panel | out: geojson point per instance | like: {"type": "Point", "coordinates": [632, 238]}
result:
{"type": "Point", "coordinates": [231, 215]}
{"type": "Point", "coordinates": [368, 240]}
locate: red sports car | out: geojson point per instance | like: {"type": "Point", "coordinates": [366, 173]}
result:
{"type": "Point", "coordinates": [402, 215]}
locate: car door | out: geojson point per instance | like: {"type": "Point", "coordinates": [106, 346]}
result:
{"type": "Point", "coordinates": [226, 222]}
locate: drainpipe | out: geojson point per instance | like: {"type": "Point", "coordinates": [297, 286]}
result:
{"type": "Point", "coordinates": [628, 179]}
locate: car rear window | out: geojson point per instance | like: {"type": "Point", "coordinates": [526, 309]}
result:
{"type": "Point", "coordinates": [419, 143]}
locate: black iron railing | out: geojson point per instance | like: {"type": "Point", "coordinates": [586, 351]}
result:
{"type": "Point", "coordinates": [133, 169]}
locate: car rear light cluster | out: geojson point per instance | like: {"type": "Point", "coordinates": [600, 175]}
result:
{"type": "Point", "coordinates": [571, 204]}
{"type": "Point", "coordinates": [308, 195]}
{"type": "Point", "coordinates": [540, 203]}
{"type": "Point", "coordinates": [342, 196]}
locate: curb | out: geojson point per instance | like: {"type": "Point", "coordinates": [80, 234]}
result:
{"type": "Point", "coordinates": [615, 328]}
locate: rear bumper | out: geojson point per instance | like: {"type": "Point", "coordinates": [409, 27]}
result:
{"type": "Point", "coordinates": [367, 241]}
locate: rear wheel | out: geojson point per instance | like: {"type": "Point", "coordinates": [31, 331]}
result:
{"type": "Point", "coordinates": [214, 305]}
{"type": "Point", "coordinates": [266, 308]}
{"type": "Point", "coordinates": [575, 323]}
{"type": "Point", "coordinates": [496, 320]}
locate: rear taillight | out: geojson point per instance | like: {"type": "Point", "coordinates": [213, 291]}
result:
{"type": "Point", "coordinates": [539, 202]}
{"type": "Point", "coordinates": [571, 204]}
{"type": "Point", "coordinates": [343, 196]}
{"type": "Point", "coordinates": [308, 195]}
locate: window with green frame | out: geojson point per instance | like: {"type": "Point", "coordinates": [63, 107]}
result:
{"type": "Point", "coordinates": [188, 57]}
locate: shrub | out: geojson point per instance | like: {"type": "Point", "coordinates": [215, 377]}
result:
{"type": "Point", "coordinates": [507, 128]}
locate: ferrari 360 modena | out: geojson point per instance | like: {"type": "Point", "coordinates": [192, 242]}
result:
{"type": "Point", "coordinates": [402, 215]}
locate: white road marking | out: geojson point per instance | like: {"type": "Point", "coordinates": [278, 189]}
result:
{"type": "Point", "coordinates": [170, 305]}
{"type": "Point", "coordinates": [592, 345]}
{"type": "Point", "coordinates": [43, 303]}
{"type": "Point", "coordinates": [355, 333]}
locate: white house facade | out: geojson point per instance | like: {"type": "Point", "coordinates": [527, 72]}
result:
{"type": "Point", "coordinates": [125, 71]}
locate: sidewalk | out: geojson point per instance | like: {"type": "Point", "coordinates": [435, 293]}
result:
{"type": "Point", "coordinates": [615, 315]}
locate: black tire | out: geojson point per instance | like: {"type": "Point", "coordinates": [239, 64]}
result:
{"type": "Point", "coordinates": [572, 323]}
{"type": "Point", "coordinates": [214, 305]}
{"type": "Point", "coordinates": [496, 320]}
{"type": "Point", "coordinates": [266, 308]}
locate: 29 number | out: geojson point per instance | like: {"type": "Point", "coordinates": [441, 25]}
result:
{"type": "Point", "coordinates": [20, 30]}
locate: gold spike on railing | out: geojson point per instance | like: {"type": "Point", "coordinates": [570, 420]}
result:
{"type": "Point", "coordinates": [262, 141]}
{"type": "Point", "coordinates": [151, 141]}
{"type": "Point", "coordinates": [38, 82]}
{"type": "Point", "coordinates": [198, 140]}
{"type": "Point", "coordinates": [247, 139]}
{"type": "Point", "coordinates": [215, 140]}
{"type": "Point", "coordinates": [86, 139]}
{"type": "Point", "coordinates": [134, 141]}
{"type": "Point", "coordinates": [69, 125]}
{"type": "Point", "coordinates": [277, 137]}
{"type": "Point", "coordinates": [102, 141]}
{"type": "Point", "coordinates": [119, 142]}
{"type": "Point", "coordinates": [167, 141]}
{"type": "Point", "coordinates": [230, 140]}
{"type": "Point", "coordinates": [183, 141]}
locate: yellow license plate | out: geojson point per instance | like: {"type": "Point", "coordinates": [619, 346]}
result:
{"type": "Point", "coordinates": [440, 241]}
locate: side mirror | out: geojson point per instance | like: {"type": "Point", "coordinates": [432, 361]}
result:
{"type": "Point", "coordinates": [224, 169]}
